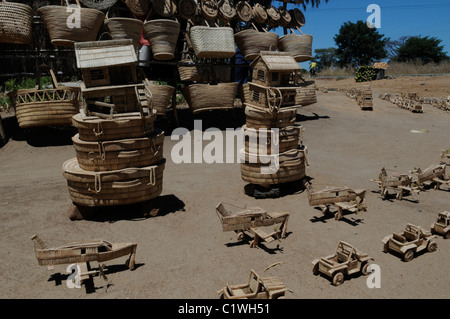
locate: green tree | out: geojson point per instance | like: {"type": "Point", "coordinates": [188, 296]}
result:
{"type": "Point", "coordinates": [325, 58]}
{"type": "Point", "coordinates": [427, 49]}
{"type": "Point", "coordinates": [359, 45]}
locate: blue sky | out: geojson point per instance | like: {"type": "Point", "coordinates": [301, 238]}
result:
{"type": "Point", "coordinates": [398, 18]}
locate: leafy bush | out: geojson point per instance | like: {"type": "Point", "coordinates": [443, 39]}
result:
{"type": "Point", "coordinates": [365, 74]}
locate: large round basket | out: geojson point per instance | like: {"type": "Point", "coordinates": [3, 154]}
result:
{"type": "Point", "coordinates": [162, 35]}
{"type": "Point", "coordinates": [111, 188]}
{"type": "Point", "coordinates": [299, 46]}
{"type": "Point", "coordinates": [273, 169]}
{"type": "Point", "coordinates": [207, 97]}
{"type": "Point", "coordinates": [99, 4]}
{"type": "Point", "coordinates": [61, 34]}
{"type": "Point", "coordinates": [119, 154]}
{"type": "Point", "coordinates": [46, 107]}
{"type": "Point", "coordinates": [16, 20]}
{"type": "Point", "coordinates": [187, 9]}
{"type": "Point", "coordinates": [271, 141]}
{"type": "Point", "coordinates": [298, 18]}
{"type": "Point", "coordinates": [209, 9]}
{"type": "Point", "coordinates": [251, 42]}
{"type": "Point", "coordinates": [139, 8]}
{"type": "Point", "coordinates": [227, 11]}
{"type": "Point", "coordinates": [164, 8]}
{"type": "Point", "coordinates": [244, 11]}
{"type": "Point", "coordinates": [258, 118]}
{"type": "Point", "coordinates": [158, 96]}
{"type": "Point", "coordinates": [125, 28]}
{"type": "Point", "coordinates": [122, 126]}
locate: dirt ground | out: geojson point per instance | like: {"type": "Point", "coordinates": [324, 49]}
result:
{"type": "Point", "coordinates": [183, 253]}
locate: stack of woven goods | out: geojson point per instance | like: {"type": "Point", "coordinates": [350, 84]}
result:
{"type": "Point", "coordinates": [274, 153]}
{"type": "Point", "coordinates": [119, 152]}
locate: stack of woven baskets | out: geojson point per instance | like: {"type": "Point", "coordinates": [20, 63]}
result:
{"type": "Point", "coordinates": [274, 153]}
{"type": "Point", "coordinates": [119, 155]}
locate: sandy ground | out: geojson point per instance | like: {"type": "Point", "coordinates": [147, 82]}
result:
{"type": "Point", "coordinates": [183, 253]}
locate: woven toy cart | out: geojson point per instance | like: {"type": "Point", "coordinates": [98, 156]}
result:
{"type": "Point", "coordinates": [16, 22]}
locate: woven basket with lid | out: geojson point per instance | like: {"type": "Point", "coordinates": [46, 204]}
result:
{"type": "Point", "coordinates": [16, 22]}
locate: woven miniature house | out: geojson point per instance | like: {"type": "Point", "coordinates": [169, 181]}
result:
{"type": "Point", "coordinates": [104, 63]}
{"type": "Point", "coordinates": [274, 69]}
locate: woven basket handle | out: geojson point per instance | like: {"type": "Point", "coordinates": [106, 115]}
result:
{"type": "Point", "coordinates": [67, 3]}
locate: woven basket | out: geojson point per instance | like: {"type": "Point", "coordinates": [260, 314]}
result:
{"type": "Point", "coordinates": [298, 18]}
{"type": "Point", "coordinates": [111, 188]}
{"type": "Point", "coordinates": [251, 42]}
{"type": "Point", "coordinates": [122, 126]}
{"type": "Point", "coordinates": [46, 107]}
{"type": "Point", "coordinates": [299, 46]}
{"type": "Point", "coordinates": [285, 17]}
{"type": "Point", "coordinates": [164, 8]}
{"type": "Point", "coordinates": [16, 20]}
{"type": "Point", "coordinates": [209, 9]}
{"type": "Point", "coordinates": [125, 28]}
{"type": "Point", "coordinates": [261, 140]}
{"type": "Point", "coordinates": [306, 94]}
{"type": "Point", "coordinates": [259, 118]}
{"type": "Point", "coordinates": [227, 11]}
{"type": "Point", "coordinates": [213, 42]}
{"type": "Point", "coordinates": [207, 97]}
{"type": "Point", "coordinates": [189, 71]}
{"type": "Point", "coordinates": [119, 154]}
{"type": "Point", "coordinates": [158, 96]}
{"type": "Point", "coordinates": [163, 36]}
{"type": "Point", "coordinates": [257, 169]}
{"type": "Point", "coordinates": [139, 8]}
{"type": "Point", "coordinates": [187, 9]}
{"type": "Point", "coordinates": [244, 11]}
{"type": "Point", "coordinates": [273, 17]}
{"type": "Point", "coordinates": [55, 21]}
{"type": "Point", "coordinates": [99, 4]}
{"type": "Point", "coordinates": [259, 14]}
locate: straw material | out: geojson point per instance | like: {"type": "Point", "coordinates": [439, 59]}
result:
{"type": "Point", "coordinates": [298, 18]}
{"type": "Point", "coordinates": [212, 42]}
{"type": "Point", "coordinates": [163, 36]}
{"type": "Point", "coordinates": [111, 188]}
{"type": "Point", "coordinates": [49, 107]}
{"type": "Point", "coordinates": [139, 8]}
{"type": "Point", "coordinates": [119, 154]}
{"type": "Point", "coordinates": [158, 96]}
{"type": "Point", "coordinates": [164, 8]}
{"type": "Point", "coordinates": [262, 118]}
{"type": "Point", "coordinates": [299, 46]}
{"type": "Point", "coordinates": [273, 17]}
{"type": "Point", "coordinates": [206, 97]}
{"type": "Point", "coordinates": [125, 28]}
{"type": "Point", "coordinates": [122, 126]}
{"type": "Point", "coordinates": [292, 167]}
{"type": "Point", "coordinates": [261, 140]}
{"type": "Point", "coordinates": [55, 21]}
{"type": "Point", "coordinates": [259, 14]}
{"type": "Point", "coordinates": [16, 21]}
{"type": "Point", "coordinates": [252, 42]}
{"type": "Point", "coordinates": [209, 9]}
{"type": "Point", "coordinates": [189, 71]}
{"type": "Point", "coordinates": [226, 11]}
{"type": "Point", "coordinates": [187, 9]}
{"type": "Point", "coordinates": [244, 11]}
{"type": "Point", "coordinates": [285, 17]}
{"type": "Point", "coordinates": [306, 94]}
{"type": "Point", "coordinates": [99, 4]}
